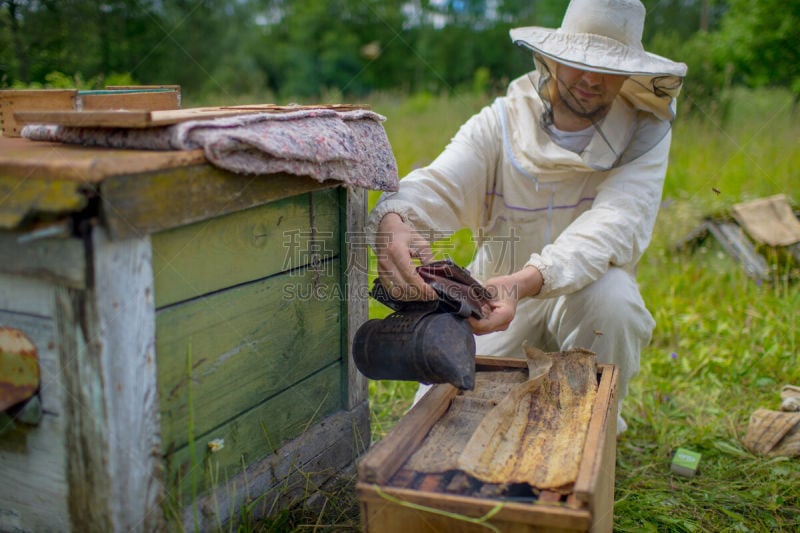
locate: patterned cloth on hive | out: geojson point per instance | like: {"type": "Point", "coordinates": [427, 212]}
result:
{"type": "Point", "coordinates": [348, 146]}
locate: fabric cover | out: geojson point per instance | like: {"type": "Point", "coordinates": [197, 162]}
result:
{"type": "Point", "coordinates": [348, 146]}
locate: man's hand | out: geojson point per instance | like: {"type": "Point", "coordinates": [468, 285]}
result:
{"type": "Point", "coordinates": [397, 245]}
{"type": "Point", "coordinates": [506, 292]}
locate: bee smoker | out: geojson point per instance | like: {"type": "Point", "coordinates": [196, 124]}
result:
{"type": "Point", "coordinates": [417, 345]}
{"type": "Point", "coordinates": [429, 342]}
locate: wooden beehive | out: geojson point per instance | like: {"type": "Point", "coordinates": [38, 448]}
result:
{"type": "Point", "coordinates": [193, 330]}
{"type": "Point", "coordinates": [238, 323]}
{"type": "Point", "coordinates": [395, 498]}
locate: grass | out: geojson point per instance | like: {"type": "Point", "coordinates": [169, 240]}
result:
{"type": "Point", "coordinates": [723, 345]}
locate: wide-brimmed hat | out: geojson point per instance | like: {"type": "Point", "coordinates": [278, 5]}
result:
{"type": "Point", "coordinates": [601, 36]}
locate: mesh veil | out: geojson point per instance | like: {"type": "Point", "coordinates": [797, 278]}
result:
{"type": "Point", "coordinates": [653, 98]}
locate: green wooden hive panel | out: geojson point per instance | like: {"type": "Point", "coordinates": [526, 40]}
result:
{"type": "Point", "coordinates": [207, 256]}
{"type": "Point", "coordinates": [248, 343]}
{"type": "Point", "coordinates": [253, 435]}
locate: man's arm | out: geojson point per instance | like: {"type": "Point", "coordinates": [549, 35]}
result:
{"type": "Point", "coordinates": [441, 198]}
{"type": "Point", "coordinates": [616, 230]}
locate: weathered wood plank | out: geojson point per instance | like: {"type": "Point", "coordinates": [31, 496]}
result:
{"type": "Point", "coordinates": [62, 261]}
{"type": "Point", "coordinates": [40, 100]}
{"type": "Point", "coordinates": [288, 475]}
{"type": "Point", "coordinates": [547, 496]}
{"type": "Point", "coordinates": [594, 485]}
{"type": "Point", "coordinates": [90, 498]}
{"type": "Point", "coordinates": [357, 304]}
{"type": "Point", "coordinates": [22, 160]}
{"type": "Point", "coordinates": [385, 516]}
{"type": "Point", "coordinates": [387, 455]}
{"type": "Point", "coordinates": [256, 433]}
{"type": "Point", "coordinates": [152, 100]}
{"type": "Point", "coordinates": [139, 117]}
{"type": "Point", "coordinates": [123, 281]}
{"type": "Point", "coordinates": [602, 505]}
{"type": "Point", "coordinates": [491, 362]}
{"type": "Point", "coordinates": [137, 204]}
{"type": "Point", "coordinates": [33, 492]}
{"type": "Point", "coordinates": [29, 197]}
{"type": "Point", "coordinates": [211, 255]}
{"type": "Point", "coordinates": [248, 343]}
{"type": "Point", "coordinates": [112, 437]}
{"type": "Point", "coordinates": [20, 294]}
{"type": "Point", "coordinates": [734, 241]}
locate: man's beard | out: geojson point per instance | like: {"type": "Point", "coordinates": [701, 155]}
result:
{"type": "Point", "coordinates": [579, 111]}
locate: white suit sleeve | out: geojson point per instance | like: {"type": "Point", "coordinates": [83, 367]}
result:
{"type": "Point", "coordinates": [615, 231]}
{"type": "Point", "coordinates": [449, 194]}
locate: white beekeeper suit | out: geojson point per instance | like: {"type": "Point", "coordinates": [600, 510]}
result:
{"type": "Point", "coordinates": [578, 206]}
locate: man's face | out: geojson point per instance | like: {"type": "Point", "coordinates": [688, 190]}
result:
{"type": "Point", "coordinates": [585, 94]}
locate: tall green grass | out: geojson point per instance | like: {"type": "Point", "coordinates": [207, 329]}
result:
{"type": "Point", "coordinates": [723, 344]}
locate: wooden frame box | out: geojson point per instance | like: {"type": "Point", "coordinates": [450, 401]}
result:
{"type": "Point", "coordinates": [12, 100]}
{"type": "Point", "coordinates": [393, 501]}
{"type": "Point", "coordinates": [143, 97]}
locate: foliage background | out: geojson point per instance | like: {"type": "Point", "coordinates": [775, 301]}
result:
{"type": "Point", "coordinates": [305, 49]}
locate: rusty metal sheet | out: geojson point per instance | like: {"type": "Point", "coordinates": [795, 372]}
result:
{"type": "Point", "coordinates": [518, 427]}
{"type": "Point", "coordinates": [19, 367]}
{"type": "Point", "coordinates": [535, 435]}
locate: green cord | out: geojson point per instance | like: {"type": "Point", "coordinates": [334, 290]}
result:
{"type": "Point", "coordinates": [455, 516]}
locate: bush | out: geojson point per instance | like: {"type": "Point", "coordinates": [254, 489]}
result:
{"type": "Point", "coordinates": [58, 80]}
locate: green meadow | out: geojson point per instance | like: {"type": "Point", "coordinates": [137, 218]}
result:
{"type": "Point", "coordinates": [724, 344]}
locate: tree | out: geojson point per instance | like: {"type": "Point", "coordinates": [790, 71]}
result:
{"type": "Point", "coordinates": [681, 17]}
{"type": "Point", "coordinates": [300, 48]}
{"type": "Point", "coordinates": [762, 41]}
{"type": "Point", "coordinates": [76, 37]}
{"type": "Point", "coordinates": [16, 65]}
{"type": "Point", "coordinates": [351, 45]}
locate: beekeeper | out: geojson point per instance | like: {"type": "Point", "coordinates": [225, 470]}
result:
{"type": "Point", "coordinates": [560, 181]}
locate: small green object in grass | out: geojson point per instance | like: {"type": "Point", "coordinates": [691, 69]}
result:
{"type": "Point", "coordinates": [685, 462]}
